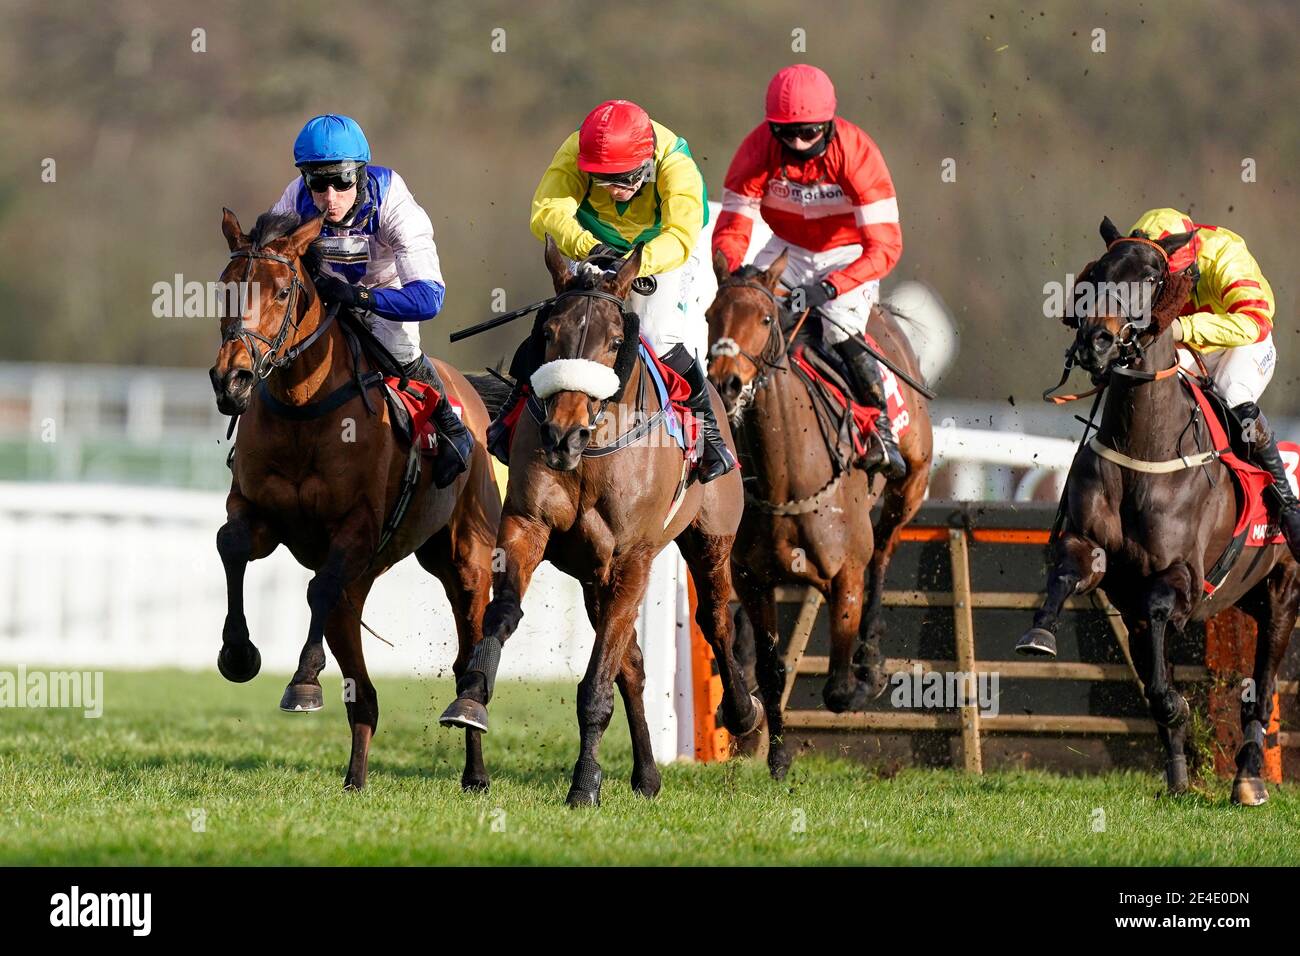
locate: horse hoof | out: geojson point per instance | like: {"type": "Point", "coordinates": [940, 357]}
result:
{"type": "Point", "coordinates": [474, 784]}
{"type": "Point", "coordinates": [778, 762]}
{"type": "Point", "coordinates": [1037, 642]}
{"type": "Point", "coordinates": [465, 712]}
{"type": "Point", "coordinates": [1249, 792]}
{"type": "Point", "coordinates": [647, 786]}
{"type": "Point", "coordinates": [759, 716]}
{"type": "Point", "coordinates": [1176, 776]}
{"type": "Point", "coordinates": [302, 699]}
{"type": "Point", "coordinates": [583, 798]}
{"type": "Point", "coordinates": [239, 666]}
{"type": "Point", "coordinates": [351, 786]}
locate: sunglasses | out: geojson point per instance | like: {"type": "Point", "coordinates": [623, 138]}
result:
{"type": "Point", "coordinates": [628, 180]}
{"type": "Point", "coordinates": [341, 181]}
{"type": "Point", "coordinates": [792, 131]}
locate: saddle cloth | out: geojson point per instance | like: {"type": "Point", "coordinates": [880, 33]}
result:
{"type": "Point", "coordinates": [824, 371]}
{"type": "Point", "coordinates": [411, 412]}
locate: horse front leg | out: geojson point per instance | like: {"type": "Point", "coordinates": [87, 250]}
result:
{"type": "Point", "coordinates": [521, 544]}
{"type": "Point", "coordinates": [759, 601]}
{"type": "Point", "coordinates": [843, 691]}
{"type": "Point", "coordinates": [243, 538]}
{"type": "Point", "coordinates": [708, 556]}
{"type": "Point", "coordinates": [1079, 567]}
{"type": "Point", "coordinates": [616, 610]}
{"type": "Point", "coordinates": [1167, 603]}
{"type": "Point", "coordinates": [898, 506]}
{"type": "Point", "coordinates": [351, 547]}
{"type": "Point", "coordinates": [1273, 604]}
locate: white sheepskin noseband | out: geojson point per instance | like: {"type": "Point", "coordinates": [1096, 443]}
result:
{"type": "Point", "coordinates": [575, 375]}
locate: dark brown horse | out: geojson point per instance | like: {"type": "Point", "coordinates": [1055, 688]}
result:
{"type": "Point", "coordinates": [602, 518]}
{"type": "Point", "coordinates": [317, 471]}
{"type": "Point", "coordinates": [1149, 509]}
{"type": "Point", "coordinates": [807, 517]}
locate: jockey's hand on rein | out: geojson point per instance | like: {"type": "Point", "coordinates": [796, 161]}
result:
{"type": "Point", "coordinates": [811, 296]}
{"type": "Point", "coordinates": [333, 289]}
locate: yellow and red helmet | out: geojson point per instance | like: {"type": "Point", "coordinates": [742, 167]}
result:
{"type": "Point", "coordinates": [616, 137]}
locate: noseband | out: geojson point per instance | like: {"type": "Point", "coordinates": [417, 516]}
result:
{"type": "Point", "coordinates": [596, 408]}
{"type": "Point", "coordinates": [268, 360]}
{"type": "Point", "coordinates": [773, 348]}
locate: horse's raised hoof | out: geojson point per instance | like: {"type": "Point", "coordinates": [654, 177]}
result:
{"type": "Point", "coordinates": [239, 664]}
{"type": "Point", "coordinates": [1037, 642]}
{"type": "Point", "coordinates": [1249, 792]}
{"type": "Point", "coordinates": [302, 699]}
{"type": "Point", "coordinates": [759, 716]}
{"type": "Point", "coordinates": [465, 712]}
{"type": "Point", "coordinates": [474, 784]}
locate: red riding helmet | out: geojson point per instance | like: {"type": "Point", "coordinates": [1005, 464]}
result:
{"type": "Point", "coordinates": [800, 94]}
{"type": "Point", "coordinates": [614, 138]}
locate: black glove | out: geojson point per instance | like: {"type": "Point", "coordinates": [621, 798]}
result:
{"type": "Point", "coordinates": [813, 294]}
{"type": "Point", "coordinates": [333, 289]}
{"type": "Point", "coordinates": [603, 250]}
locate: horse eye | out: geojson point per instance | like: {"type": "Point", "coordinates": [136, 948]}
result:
{"type": "Point", "coordinates": [767, 320]}
{"type": "Point", "coordinates": [282, 294]}
{"type": "Point", "coordinates": [616, 345]}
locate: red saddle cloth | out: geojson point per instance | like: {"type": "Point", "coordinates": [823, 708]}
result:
{"type": "Point", "coordinates": [864, 417]}
{"type": "Point", "coordinates": [421, 400]}
{"type": "Point", "coordinates": [1253, 517]}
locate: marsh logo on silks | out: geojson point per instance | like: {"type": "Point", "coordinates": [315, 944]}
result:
{"type": "Point", "coordinates": [945, 689]}
{"type": "Point", "coordinates": [77, 909]}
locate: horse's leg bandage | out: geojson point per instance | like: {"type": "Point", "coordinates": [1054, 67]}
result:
{"type": "Point", "coordinates": [575, 375]}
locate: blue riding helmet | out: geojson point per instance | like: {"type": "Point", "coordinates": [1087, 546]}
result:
{"type": "Point", "coordinates": [331, 139]}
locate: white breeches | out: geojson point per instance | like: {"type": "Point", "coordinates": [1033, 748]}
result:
{"type": "Point", "coordinates": [843, 315]}
{"type": "Point", "coordinates": [1241, 373]}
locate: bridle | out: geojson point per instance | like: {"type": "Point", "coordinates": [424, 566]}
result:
{"type": "Point", "coordinates": [1130, 349]}
{"type": "Point", "coordinates": [596, 408]}
{"type": "Point", "coordinates": [774, 349]}
{"type": "Point", "coordinates": [268, 360]}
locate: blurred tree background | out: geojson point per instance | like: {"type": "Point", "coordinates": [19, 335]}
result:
{"type": "Point", "coordinates": [151, 139]}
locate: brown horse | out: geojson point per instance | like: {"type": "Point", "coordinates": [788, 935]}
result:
{"type": "Point", "coordinates": [807, 515]}
{"type": "Point", "coordinates": [600, 513]}
{"type": "Point", "coordinates": [315, 470]}
{"type": "Point", "coordinates": [1149, 509]}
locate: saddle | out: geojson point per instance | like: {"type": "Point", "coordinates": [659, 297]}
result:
{"type": "Point", "coordinates": [1255, 526]}
{"type": "Point", "coordinates": [828, 382]}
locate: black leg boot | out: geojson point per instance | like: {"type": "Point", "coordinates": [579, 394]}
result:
{"type": "Point", "coordinates": [457, 443]}
{"type": "Point", "coordinates": [715, 457]}
{"type": "Point", "coordinates": [528, 358]}
{"type": "Point", "coordinates": [1263, 452]}
{"type": "Point", "coordinates": [869, 389]}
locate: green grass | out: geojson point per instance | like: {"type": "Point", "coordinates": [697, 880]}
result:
{"type": "Point", "coordinates": [119, 790]}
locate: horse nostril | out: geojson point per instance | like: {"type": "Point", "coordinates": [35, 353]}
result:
{"type": "Point", "coordinates": [550, 436]}
{"type": "Point", "coordinates": [731, 387]}
{"type": "Point", "coordinates": [238, 379]}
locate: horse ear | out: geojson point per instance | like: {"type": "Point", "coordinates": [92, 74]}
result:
{"type": "Point", "coordinates": [305, 235]}
{"type": "Point", "coordinates": [629, 270]}
{"type": "Point", "coordinates": [230, 229]}
{"type": "Point", "coordinates": [1108, 231]}
{"type": "Point", "coordinates": [1172, 244]}
{"type": "Point", "coordinates": [772, 277]}
{"type": "Point", "coordinates": [720, 269]}
{"type": "Point", "coordinates": [556, 264]}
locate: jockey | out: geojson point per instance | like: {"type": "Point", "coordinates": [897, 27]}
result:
{"type": "Point", "coordinates": [624, 179]}
{"type": "Point", "coordinates": [379, 258]}
{"type": "Point", "coordinates": [821, 184]}
{"type": "Point", "coordinates": [1228, 321]}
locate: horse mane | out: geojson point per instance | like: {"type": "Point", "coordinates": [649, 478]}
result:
{"type": "Point", "coordinates": [271, 226]}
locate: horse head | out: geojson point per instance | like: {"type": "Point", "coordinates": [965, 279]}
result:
{"type": "Point", "coordinates": [1127, 299]}
{"type": "Point", "coordinates": [590, 346]}
{"type": "Point", "coordinates": [744, 329]}
{"type": "Point", "coordinates": [275, 293]}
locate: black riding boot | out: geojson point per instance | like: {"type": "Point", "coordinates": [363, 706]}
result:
{"type": "Point", "coordinates": [457, 442]}
{"type": "Point", "coordinates": [869, 389]}
{"type": "Point", "coordinates": [1263, 452]}
{"type": "Point", "coordinates": [715, 457]}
